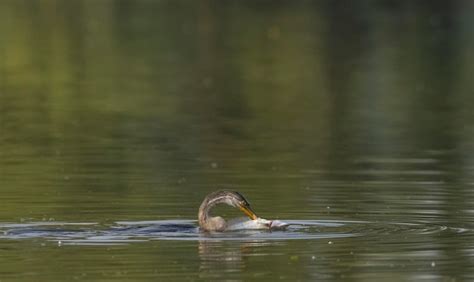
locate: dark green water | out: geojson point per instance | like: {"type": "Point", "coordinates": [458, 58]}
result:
{"type": "Point", "coordinates": [357, 113]}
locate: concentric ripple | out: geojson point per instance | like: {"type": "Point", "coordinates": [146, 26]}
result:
{"type": "Point", "coordinates": [125, 232]}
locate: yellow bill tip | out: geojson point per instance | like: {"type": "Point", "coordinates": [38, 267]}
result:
{"type": "Point", "coordinates": [249, 212]}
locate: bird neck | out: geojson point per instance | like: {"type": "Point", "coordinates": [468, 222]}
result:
{"type": "Point", "coordinates": [204, 209]}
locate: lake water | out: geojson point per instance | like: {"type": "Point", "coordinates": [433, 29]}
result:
{"type": "Point", "coordinates": [353, 121]}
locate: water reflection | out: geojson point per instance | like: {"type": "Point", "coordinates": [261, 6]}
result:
{"type": "Point", "coordinates": [317, 110]}
{"type": "Point", "coordinates": [327, 248]}
{"type": "Point", "coordinates": [218, 258]}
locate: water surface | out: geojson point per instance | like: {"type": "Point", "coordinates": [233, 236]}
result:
{"type": "Point", "coordinates": [351, 120]}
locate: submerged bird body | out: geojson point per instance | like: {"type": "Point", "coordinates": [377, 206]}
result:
{"type": "Point", "coordinates": [234, 199]}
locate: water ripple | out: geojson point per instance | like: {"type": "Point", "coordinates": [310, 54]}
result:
{"type": "Point", "coordinates": [125, 232]}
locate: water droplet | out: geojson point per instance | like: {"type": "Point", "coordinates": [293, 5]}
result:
{"type": "Point", "coordinates": [433, 264]}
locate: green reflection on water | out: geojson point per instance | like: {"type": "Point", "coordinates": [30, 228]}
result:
{"type": "Point", "coordinates": [134, 110]}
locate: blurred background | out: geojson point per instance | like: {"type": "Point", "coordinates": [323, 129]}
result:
{"type": "Point", "coordinates": [135, 110]}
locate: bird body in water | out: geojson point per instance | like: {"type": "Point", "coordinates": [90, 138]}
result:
{"type": "Point", "coordinates": [231, 198]}
{"type": "Point", "coordinates": [237, 200]}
